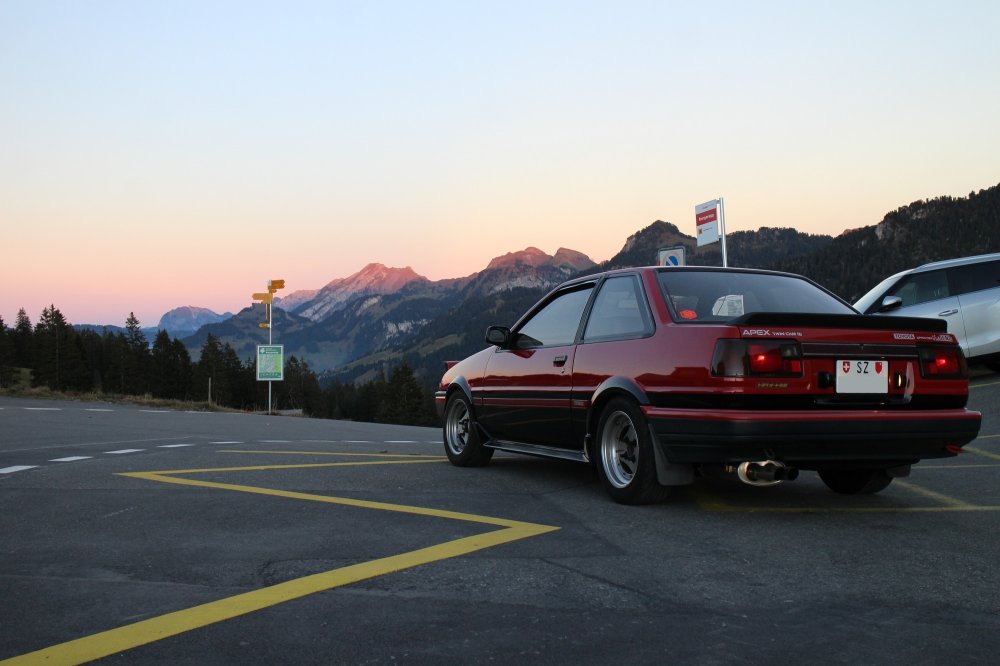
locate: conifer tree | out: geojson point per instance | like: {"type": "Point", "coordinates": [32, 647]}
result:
{"type": "Point", "coordinates": [6, 355]}
{"type": "Point", "coordinates": [58, 357]}
{"type": "Point", "coordinates": [180, 360]}
{"type": "Point", "coordinates": [160, 367]}
{"type": "Point", "coordinates": [403, 400]}
{"type": "Point", "coordinates": [210, 371]}
{"type": "Point", "coordinates": [136, 357]}
{"type": "Point", "coordinates": [301, 389]}
{"type": "Point", "coordinates": [22, 337]}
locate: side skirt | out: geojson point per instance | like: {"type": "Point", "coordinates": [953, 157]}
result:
{"type": "Point", "coordinates": [536, 450]}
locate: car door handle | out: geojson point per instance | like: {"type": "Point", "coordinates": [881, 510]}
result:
{"type": "Point", "coordinates": [559, 361]}
{"type": "Point", "coordinates": [947, 313]}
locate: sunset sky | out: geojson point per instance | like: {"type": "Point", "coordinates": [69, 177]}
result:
{"type": "Point", "coordinates": [159, 154]}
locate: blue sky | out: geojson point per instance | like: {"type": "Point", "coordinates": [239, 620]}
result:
{"type": "Point", "coordinates": [157, 154]}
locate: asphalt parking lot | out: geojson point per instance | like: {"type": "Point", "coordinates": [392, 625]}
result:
{"type": "Point", "coordinates": [145, 537]}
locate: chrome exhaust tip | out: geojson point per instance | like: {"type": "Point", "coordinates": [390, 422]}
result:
{"type": "Point", "coordinates": [765, 473]}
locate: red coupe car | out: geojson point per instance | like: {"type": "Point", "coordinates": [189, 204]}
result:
{"type": "Point", "coordinates": [657, 375]}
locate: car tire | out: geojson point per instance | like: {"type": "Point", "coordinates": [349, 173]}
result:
{"type": "Point", "coordinates": [855, 481]}
{"type": "Point", "coordinates": [624, 455]}
{"type": "Point", "coordinates": [462, 443]}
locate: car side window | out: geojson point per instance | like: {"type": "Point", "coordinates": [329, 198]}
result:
{"type": "Point", "coordinates": [557, 322]}
{"type": "Point", "coordinates": [922, 287]}
{"type": "Point", "coordinates": [974, 277]}
{"type": "Point", "coordinates": [619, 311]}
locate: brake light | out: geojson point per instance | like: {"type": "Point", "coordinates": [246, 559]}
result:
{"type": "Point", "coordinates": [742, 358]}
{"type": "Point", "coordinates": [942, 363]}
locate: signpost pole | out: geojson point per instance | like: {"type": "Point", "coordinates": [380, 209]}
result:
{"type": "Point", "coordinates": [270, 332]}
{"type": "Point", "coordinates": [722, 229]}
{"type": "Point", "coordinates": [267, 298]}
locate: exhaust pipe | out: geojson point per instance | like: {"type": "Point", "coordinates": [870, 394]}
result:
{"type": "Point", "coordinates": [766, 473]}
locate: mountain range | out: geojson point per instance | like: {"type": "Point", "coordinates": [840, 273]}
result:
{"type": "Point", "coordinates": [357, 326]}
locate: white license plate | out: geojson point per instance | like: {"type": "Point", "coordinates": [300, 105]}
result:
{"type": "Point", "coordinates": [862, 376]}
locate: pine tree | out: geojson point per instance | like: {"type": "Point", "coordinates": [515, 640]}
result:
{"type": "Point", "coordinates": [58, 357]}
{"type": "Point", "coordinates": [22, 339]}
{"type": "Point", "coordinates": [211, 377]}
{"type": "Point", "coordinates": [160, 367]}
{"type": "Point", "coordinates": [181, 362]}
{"type": "Point", "coordinates": [403, 400]}
{"type": "Point", "coordinates": [6, 355]}
{"type": "Point", "coordinates": [301, 390]}
{"type": "Point", "coordinates": [136, 357]}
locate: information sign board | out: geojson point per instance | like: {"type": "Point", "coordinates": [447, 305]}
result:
{"type": "Point", "coordinates": [270, 363]}
{"type": "Point", "coordinates": [706, 217]}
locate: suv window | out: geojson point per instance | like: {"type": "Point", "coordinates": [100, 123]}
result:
{"type": "Point", "coordinates": [922, 287]}
{"type": "Point", "coordinates": [557, 322]}
{"type": "Point", "coordinates": [619, 311]}
{"type": "Point", "coordinates": [975, 277]}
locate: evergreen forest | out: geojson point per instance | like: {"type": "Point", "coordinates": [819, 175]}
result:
{"type": "Point", "coordinates": [53, 356]}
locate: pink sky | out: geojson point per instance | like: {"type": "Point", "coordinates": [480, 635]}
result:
{"type": "Point", "coordinates": [159, 155]}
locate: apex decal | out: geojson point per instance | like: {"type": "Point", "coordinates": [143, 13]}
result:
{"type": "Point", "coordinates": [768, 333]}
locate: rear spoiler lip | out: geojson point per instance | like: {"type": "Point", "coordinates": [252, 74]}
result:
{"type": "Point", "coordinates": [858, 321]}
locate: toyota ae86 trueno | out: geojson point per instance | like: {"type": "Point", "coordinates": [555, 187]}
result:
{"type": "Point", "coordinates": [657, 375]}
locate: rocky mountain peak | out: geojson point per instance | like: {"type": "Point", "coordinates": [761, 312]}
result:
{"type": "Point", "coordinates": [374, 278]}
{"type": "Point", "coordinates": [530, 256]}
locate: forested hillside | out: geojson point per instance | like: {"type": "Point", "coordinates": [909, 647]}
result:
{"type": "Point", "coordinates": [924, 231]}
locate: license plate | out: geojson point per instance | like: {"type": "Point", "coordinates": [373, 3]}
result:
{"type": "Point", "coordinates": [862, 376]}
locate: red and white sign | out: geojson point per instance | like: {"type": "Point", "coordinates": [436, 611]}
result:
{"type": "Point", "coordinates": [706, 217]}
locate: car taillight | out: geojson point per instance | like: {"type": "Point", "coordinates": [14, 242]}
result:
{"type": "Point", "coordinates": [942, 363]}
{"type": "Point", "coordinates": [742, 358]}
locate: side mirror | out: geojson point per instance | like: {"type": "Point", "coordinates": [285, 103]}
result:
{"type": "Point", "coordinates": [498, 335]}
{"type": "Point", "coordinates": [890, 303]}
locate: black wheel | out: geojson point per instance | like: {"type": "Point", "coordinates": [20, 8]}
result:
{"type": "Point", "coordinates": [855, 481]}
{"type": "Point", "coordinates": [625, 455]}
{"type": "Point", "coordinates": [462, 442]}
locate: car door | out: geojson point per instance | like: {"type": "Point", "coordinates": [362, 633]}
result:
{"type": "Point", "coordinates": [978, 289]}
{"type": "Point", "coordinates": [526, 390]}
{"type": "Point", "coordinates": [929, 294]}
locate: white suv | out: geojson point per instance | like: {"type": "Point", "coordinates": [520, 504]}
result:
{"type": "Point", "coordinates": [963, 292]}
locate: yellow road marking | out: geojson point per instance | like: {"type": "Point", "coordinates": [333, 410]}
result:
{"type": "Point", "coordinates": [985, 454]}
{"type": "Point", "coordinates": [130, 636]}
{"type": "Point", "coordinates": [939, 497]}
{"type": "Point", "coordinates": [709, 502]}
{"type": "Point", "coordinates": [975, 386]}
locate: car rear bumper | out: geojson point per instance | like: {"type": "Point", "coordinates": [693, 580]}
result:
{"type": "Point", "coordinates": [805, 438]}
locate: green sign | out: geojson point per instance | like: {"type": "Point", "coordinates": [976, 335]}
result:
{"type": "Point", "coordinates": [270, 363]}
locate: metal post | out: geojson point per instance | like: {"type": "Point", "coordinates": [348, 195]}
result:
{"type": "Point", "coordinates": [270, 328]}
{"type": "Point", "coordinates": [722, 228]}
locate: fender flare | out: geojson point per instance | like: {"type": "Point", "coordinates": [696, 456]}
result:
{"type": "Point", "coordinates": [667, 473]}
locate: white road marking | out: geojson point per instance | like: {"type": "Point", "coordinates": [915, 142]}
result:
{"type": "Point", "coordinates": [274, 441]}
{"type": "Point", "coordinates": [42, 409]}
{"type": "Point", "coordinates": [16, 468]}
{"type": "Point", "coordinates": [226, 442]}
{"type": "Point", "coordinates": [71, 459]}
{"type": "Point", "coordinates": [172, 446]}
{"type": "Point", "coordinates": [399, 441]}
{"type": "Point", "coordinates": [98, 410]}
{"type": "Point", "coordinates": [124, 451]}
{"type": "Point", "coordinates": [357, 441]}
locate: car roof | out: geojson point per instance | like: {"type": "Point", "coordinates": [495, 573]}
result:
{"type": "Point", "coordinates": [593, 277]}
{"type": "Point", "coordinates": [949, 263]}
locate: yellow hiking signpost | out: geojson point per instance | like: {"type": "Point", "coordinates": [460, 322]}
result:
{"type": "Point", "coordinates": [270, 357]}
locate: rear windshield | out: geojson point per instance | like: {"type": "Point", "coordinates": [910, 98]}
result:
{"type": "Point", "coordinates": [714, 296]}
